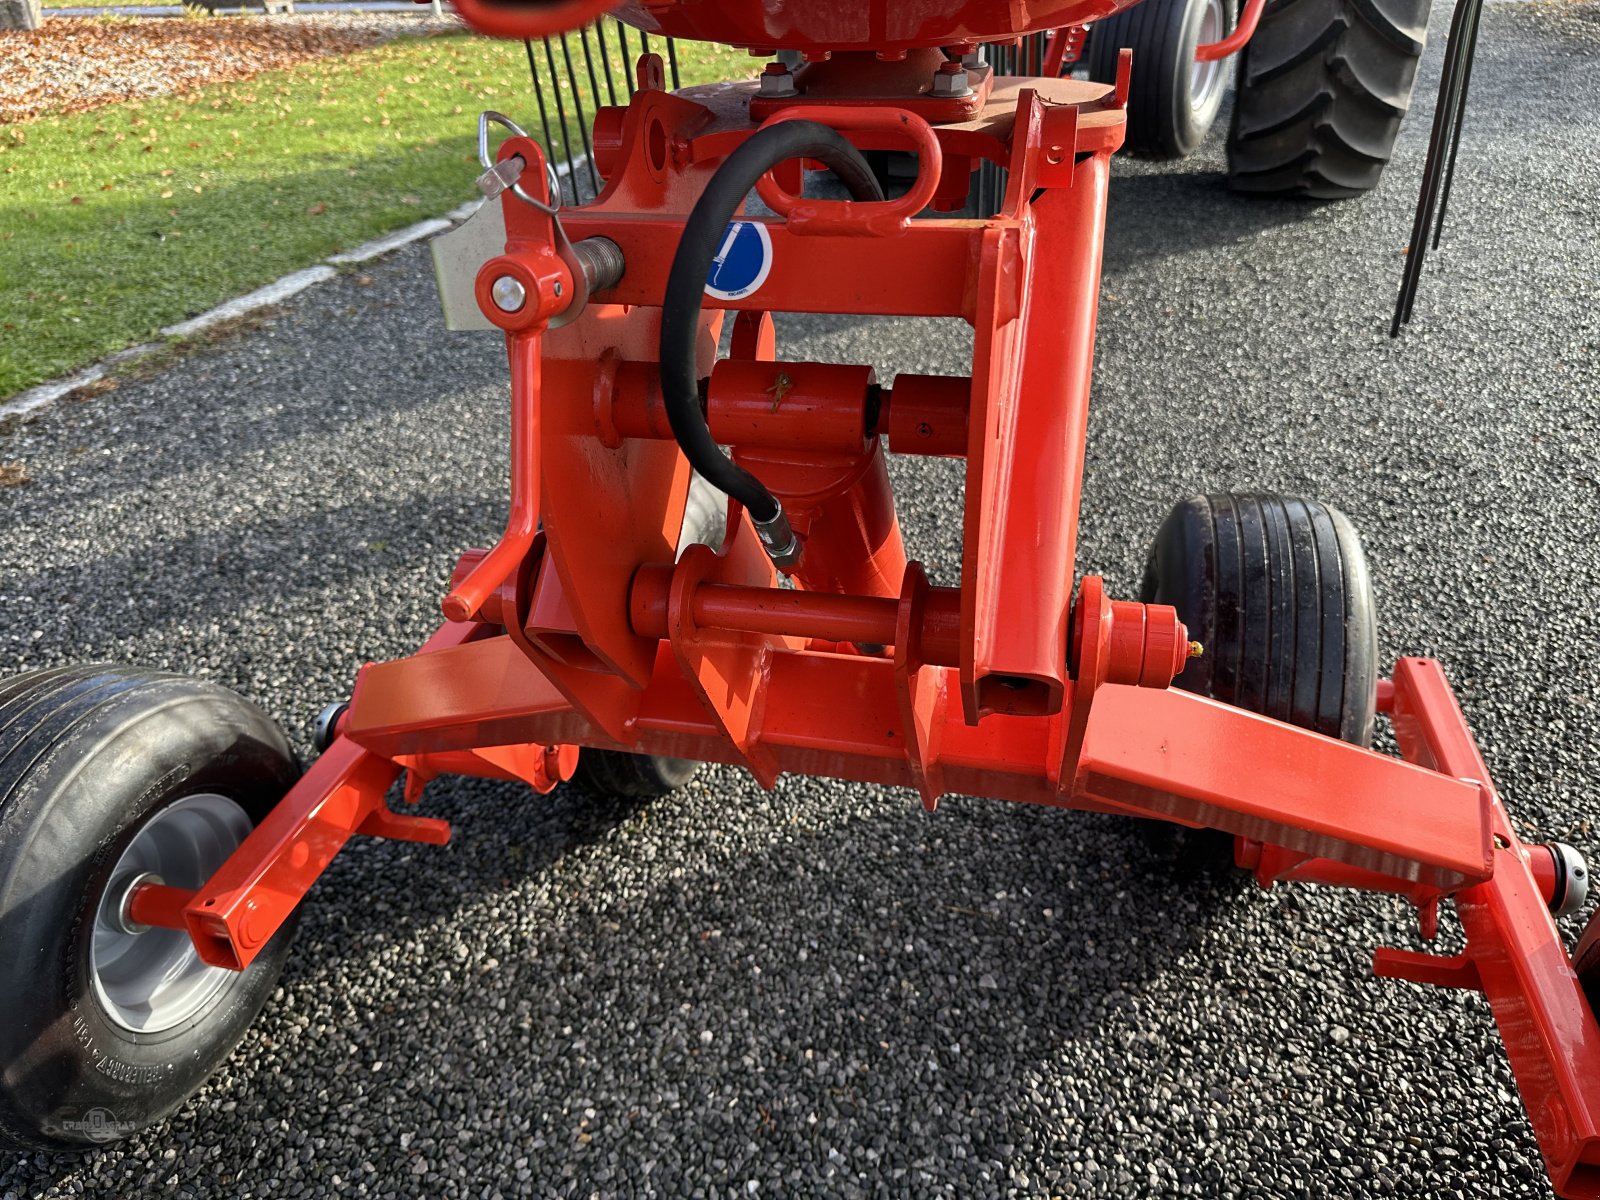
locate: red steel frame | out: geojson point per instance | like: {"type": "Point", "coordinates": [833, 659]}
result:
{"type": "Point", "coordinates": [590, 630]}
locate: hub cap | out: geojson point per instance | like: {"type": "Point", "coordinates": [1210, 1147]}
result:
{"type": "Point", "coordinates": [1206, 78]}
{"type": "Point", "coordinates": [149, 980]}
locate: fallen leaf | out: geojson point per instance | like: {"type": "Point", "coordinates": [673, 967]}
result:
{"type": "Point", "coordinates": [98, 387]}
{"type": "Point", "coordinates": [316, 210]}
{"type": "Point", "coordinates": [13, 474]}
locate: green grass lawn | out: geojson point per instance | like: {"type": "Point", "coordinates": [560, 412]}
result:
{"type": "Point", "coordinates": [117, 222]}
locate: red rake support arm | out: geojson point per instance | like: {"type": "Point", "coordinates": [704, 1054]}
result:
{"type": "Point", "coordinates": [1514, 948]}
{"type": "Point", "coordinates": [233, 916]}
{"type": "Point", "coordinates": [238, 910]}
{"type": "Point", "coordinates": [1175, 755]}
{"type": "Point", "coordinates": [1514, 953]}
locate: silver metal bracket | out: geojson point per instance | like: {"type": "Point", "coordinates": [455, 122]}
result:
{"type": "Point", "coordinates": [459, 254]}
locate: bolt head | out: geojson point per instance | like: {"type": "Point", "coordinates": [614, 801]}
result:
{"type": "Point", "coordinates": [508, 294]}
{"type": "Point", "coordinates": [779, 83]}
{"type": "Point", "coordinates": [951, 80]}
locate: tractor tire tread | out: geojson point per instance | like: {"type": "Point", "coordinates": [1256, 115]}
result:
{"type": "Point", "coordinates": [1322, 89]}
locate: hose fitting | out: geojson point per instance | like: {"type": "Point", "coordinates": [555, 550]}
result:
{"type": "Point", "coordinates": [782, 547]}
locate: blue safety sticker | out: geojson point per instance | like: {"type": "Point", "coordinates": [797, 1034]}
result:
{"type": "Point", "coordinates": [743, 261]}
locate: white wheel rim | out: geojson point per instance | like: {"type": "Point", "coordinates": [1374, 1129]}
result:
{"type": "Point", "coordinates": [147, 979]}
{"type": "Point", "coordinates": [1205, 78]}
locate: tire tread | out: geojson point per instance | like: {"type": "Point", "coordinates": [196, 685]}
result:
{"type": "Point", "coordinates": [1322, 89]}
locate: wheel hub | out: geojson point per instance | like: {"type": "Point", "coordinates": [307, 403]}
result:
{"type": "Point", "coordinates": [148, 979]}
{"type": "Point", "coordinates": [1206, 78]}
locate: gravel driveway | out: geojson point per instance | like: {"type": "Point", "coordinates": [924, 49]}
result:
{"type": "Point", "coordinates": [822, 990]}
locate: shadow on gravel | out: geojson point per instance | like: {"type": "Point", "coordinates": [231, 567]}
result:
{"type": "Point", "coordinates": [309, 411]}
{"type": "Point", "coordinates": [1185, 209]}
{"type": "Point", "coordinates": [759, 992]}
{"type": "Point", "coordinates": [212, 570]}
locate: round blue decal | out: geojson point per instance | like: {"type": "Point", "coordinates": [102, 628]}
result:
{"type": "Point", "coordinates": [743, 261]}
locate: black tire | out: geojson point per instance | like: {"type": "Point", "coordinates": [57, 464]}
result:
{"type": "Point", "coordinates": [607, 773]}
{"type": "Point", "coordinates": [88, 757]}
{"type": "Point", "coordinates": [1276, 590]}
{"type": "Point", "coordinates": [1586, 962]}
{"type": "Point", "coordinates": [1165, 117]}
{"type": "Point", "coordinates": [1322, 88]}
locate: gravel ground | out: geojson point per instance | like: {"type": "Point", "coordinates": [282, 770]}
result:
{"type": "Point", "coordinates": [822, 990]}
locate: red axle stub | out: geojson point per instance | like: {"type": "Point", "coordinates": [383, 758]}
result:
{"type": "Point", "coordinates": [815, 616]}
{"type": "Point", "coordinates": [1123, 641]}
{"type": "Point", "coordinates": [154, 904]}
{"type": "Point", "coordinates": [798, 405]}
{"type": "Point", "coordinates": [1149, 645]}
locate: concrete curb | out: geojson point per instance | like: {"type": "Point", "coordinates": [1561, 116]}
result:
{"type": "Point", "coordinates": [276, 292]}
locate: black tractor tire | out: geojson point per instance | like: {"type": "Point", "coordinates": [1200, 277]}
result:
{"type": "Point", "coordinates": [89, 758]}
{"type": "Point", "coordinates": [1322, 88]}
{"type": "Point", "coordinates": [1166, 118]}
{"type": "Point", "coordinates": [1276, 591]}
{"type": "Point", "coordinates": [604, 774]}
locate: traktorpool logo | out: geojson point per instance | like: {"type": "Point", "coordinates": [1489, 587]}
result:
{"type": "Point", "coordinates": [99, 1125]}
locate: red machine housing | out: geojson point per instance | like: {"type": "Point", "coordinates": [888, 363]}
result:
{"type": "Point", "coordinates": [886, 27]}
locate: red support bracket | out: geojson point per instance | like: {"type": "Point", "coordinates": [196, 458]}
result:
{"type": "Point", "coordinates": [236, 912]}
{"type": "Point", "coordinates": [1458, 971]}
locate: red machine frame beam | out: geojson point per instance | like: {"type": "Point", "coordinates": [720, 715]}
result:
{"type": "Point", "coordinates": [1151, 751]}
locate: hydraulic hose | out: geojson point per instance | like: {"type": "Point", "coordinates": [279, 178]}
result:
{"type": "Point", "coordinates": [680, 317]}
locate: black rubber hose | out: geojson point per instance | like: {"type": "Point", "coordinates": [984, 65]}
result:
{"type": "Point", "coordinates": [702, 236]}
